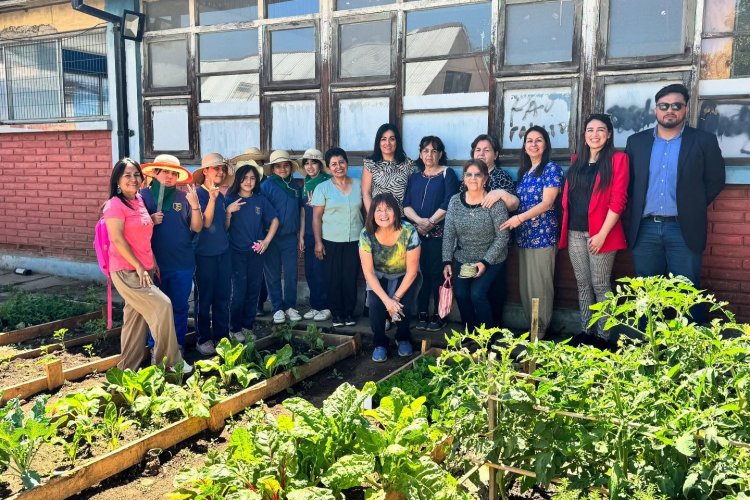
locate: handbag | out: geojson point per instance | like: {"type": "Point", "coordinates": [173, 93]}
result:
{"type": "Point", "coordinates": [445, 301]}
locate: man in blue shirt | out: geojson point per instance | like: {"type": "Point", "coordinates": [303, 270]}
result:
{"type": "Point", "coordinates": [676, 172]}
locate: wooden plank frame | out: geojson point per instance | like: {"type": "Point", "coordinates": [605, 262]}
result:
{"type": "Point", "coordinates": [267, 100]}
{"type": "Point", "coordinates": [46, 329]}
{"type": "Point", "coordinates": [148, 72]}
{"type": "Point", "coordinates": [148, 127]}
{"type": "Point", "coordinates": [684, 57]}
{"type": "Point", "coordinates": [49, 348]}
{"type": "Point", "coordinates": [96, 469]}
{"type": "Point", "coordinates": [267, 82]}
{"type": "Point", "coordinates": [510, 156]}
{"type": "Point", "coordinates": [538, 68]}
{"type": "Point", "coordinates": [363, 81]}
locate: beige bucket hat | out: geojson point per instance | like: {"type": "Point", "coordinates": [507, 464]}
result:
{"type": "Point", "coordinates": [315, 154]}
{"type": "Point", "coordinates": [280, 156]}
{"type": "Point", "coordinates": [251, 156]}
{"type": "Point", "coordinates": [214, 160]}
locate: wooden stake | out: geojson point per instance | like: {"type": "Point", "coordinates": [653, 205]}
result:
{"type": "Point", "coordinates": [492, 422]}
{"type": "Point", "coordinates": [55, 376]}
{"type": "Point", "coordinates": [426, 345]}
{"type": "Point", "coordinates": [534, 331]}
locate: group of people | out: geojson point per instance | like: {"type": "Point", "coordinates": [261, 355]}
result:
{"type": "Point", "coordinates": [404, 220]}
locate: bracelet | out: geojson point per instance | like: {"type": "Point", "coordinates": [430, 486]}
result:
{"type": "Point", "coordinates": [196, 208]}
{"type": "Point", "coordinates": [396, 298]}
{"type": "Point", "coordinates": [519, 219]}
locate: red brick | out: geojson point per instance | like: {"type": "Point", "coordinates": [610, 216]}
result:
{"type": "Point", "coordinates": [723, 262]}
{"type": "Point", "coordinates": [35, 157]}
{"type": "Point", "coordinates": [738, 250]}
{"type": "Point", "coordinates": [726, 228]}
{"type": "Point", "coordinates": [733, 216]}
{"type": "Point", "coordinates": [734, 204]}
{"type": "Point", "coordinates": [60, 157]}
{"type": "Point", "coordinates": [729, 275]}
{"type": "Point", "coordinates": [723, 239]}
{"type": "Point", "coordinates": [734, 192]}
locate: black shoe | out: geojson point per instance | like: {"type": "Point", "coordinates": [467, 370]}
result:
{"type": "Point", "coordinates": [349, 321]}
{"type": "Point", "coordinates": [435, 324]}
{"type": "Point", "coordinates": [336, 321]}
{"type": "Point", "coordinates": [422, 322]}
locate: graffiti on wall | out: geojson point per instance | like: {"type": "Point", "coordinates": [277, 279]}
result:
{"type": "Point", "coordinates": [546, 107]}
{"type": "Point", "coordinates": [730, 121]}
{"type": "Point", "coordinates": [631, 106]}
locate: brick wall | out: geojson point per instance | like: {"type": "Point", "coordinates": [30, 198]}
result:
{"type": "Point", "coordinates": [53, 186]}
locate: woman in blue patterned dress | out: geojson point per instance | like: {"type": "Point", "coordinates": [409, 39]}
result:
{"type": "Point", "coordinates": [536, 224]}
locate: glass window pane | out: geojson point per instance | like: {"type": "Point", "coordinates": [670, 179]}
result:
{"type": "Point", "coordinates": [743, 16]}
{"type": "Point", "coordinates": [228, 51]}
{"type": "Point", "coordinates": [718, 16]}
{"type": "Point", "coordinates": [170, 128]}
{"type": "Point", "coordinates": [166, 14]}
{"type": "Point", "coordinates": [84, 60]}
{"type": "Point", "coordinates": [646, 28]}
{"type": "Point", "coordinates": [3, 90]}
{"type": "Point", "coordinates": [548, 107]}
{"type": "Point", "coordinates": [456, 128]}
{"type": "Point", "coordinates": [716, 58]}
{"type": "Point", "coordinates": [230, 88]}
{"type": "Point", "coordinates": [293, 125]}
{"type": "Point", "coordinates": [358, 4]}
{"type": "Point", "coordinates": [741, 59]}
{"type": "Point", "coordinates": [631, 106]}
{"type": "Point", "coordinates": [168, 63]}
{"type": "Point", "coordinates": [539, 32]}
{"type": "Point", "coordinates": [284, 8]}
{"type": "Point", "coordinates": [293, 54]}
{"type": "Point", "coordinates": [728, 121]}
{"type": "Point", "coordinates": [358, 118]}
{"type": "Point", "coordinates": [365, 49]}
{"type": "Point", "coordinates": [230, 137]}
{"type": "Point", "coordinates": [448, 76]}
{"type": "Point", "coordinates": [449, 30]}
{"type": "Point", "coordinates": [34, 80]}
{"type": "Point", "coordinates": [226, 11]}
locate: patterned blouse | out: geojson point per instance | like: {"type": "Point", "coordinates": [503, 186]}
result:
{"type": "Point", "coordinates": [390, 261]}
{"type": "Point", "coordinates": [390, 177]}
{"type": "Point", "coordinates": [541, 231]}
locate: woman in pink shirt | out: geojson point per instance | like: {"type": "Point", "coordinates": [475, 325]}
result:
{"type": "Point", "coordinates": [131, 264]}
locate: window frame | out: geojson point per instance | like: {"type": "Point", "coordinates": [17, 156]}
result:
{"type": "Point", "coordinates": [356, 157]}
{"type": "Point", "coordinates": [148, 127]}
{"type": "Point", "coordinates": [573, 65]}
{"type": "Point", "coordinates": [508, 154]}
{"type": "Point", "coordinates": [267, 82]}
{"type": "Point", "coordinates": [684, 57]}
{"type": "Point", "coordinates": [337, 22]}
{"type": "Point", "coordinates": [266, 117]}
{"type": "Point", "coordinates": [148, 89]}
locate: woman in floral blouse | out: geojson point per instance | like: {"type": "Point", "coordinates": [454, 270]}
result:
{"type": "Point", "coordinates": [536, 224]}
{"type": "Point", "coordinates": [388, 169]}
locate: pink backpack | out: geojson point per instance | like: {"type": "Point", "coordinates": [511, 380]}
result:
{"type": "Point", "coordinates": [101, 246]}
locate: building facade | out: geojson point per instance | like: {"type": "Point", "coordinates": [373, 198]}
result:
{"type": "Point", "coordinates": [224, 75]}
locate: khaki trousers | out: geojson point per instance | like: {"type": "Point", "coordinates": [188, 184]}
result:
{"type": "Point", "coordinates": [145, 308]}
{"type": "Point", "coordinates": [536, 278]}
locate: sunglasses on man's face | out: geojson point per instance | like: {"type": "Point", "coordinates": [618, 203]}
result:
{"type": "Point", "coordinates": [676, 106]}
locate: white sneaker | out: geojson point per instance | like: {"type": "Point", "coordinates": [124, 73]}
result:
{"type": "Point", "coordinates": [206, 348]}
{"type": "Point", "coordinates": [311, 314]}
{"type": "Point", "coordinates": [323, 315]}
{"type": "Point", "coordinates": [292, 314]}
{"type": "Point", "coordinates": [279, 317]}
{"type": "Point", "coordinates": [237, 336]}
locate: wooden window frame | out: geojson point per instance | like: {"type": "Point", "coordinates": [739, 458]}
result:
{"type": "Point", "coordinates": [356, 157]}
{"type": "Point", "coordinates": [267, 83]}
{"type": "Point", "coordinates": [684, 57]}
{"type": "Point", "coordinates": [538, 68]}
{"type": "Point", "coordinates": [199, 73]}
{"type": "Point", "coordinates": [601, 83]}
{"type": "Point", "coordinates": [266, 119]}
{"type": "Point", "coordinates": [558, 154]}
{"type": "Point", "coordinates": [148, 129]}
{"type": "Point", "coordinates": [336, 80]}
{"type": "Point", "coordinates": [148, 89]}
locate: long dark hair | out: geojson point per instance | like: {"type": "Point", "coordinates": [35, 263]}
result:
{"type": "Point", "coordinates": [603, 161]}
{"type": "Point", "coordinates": [240, 174]}
{"type": "Point", "coordinates": [377, 155]}
{"type": "Point", "coordinates": [526, 159]}
{"type": "Point", "coordinates": [435, 142]}
{"type": "Point", "coordinates": [389, 201]}
{"type": "Point", "coordinates": [114, 180]}
{"type": "Point", "coordinates": [495, 145]}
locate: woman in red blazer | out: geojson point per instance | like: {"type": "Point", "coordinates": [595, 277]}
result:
{"type": "Point", "coordinates": [594, 197]}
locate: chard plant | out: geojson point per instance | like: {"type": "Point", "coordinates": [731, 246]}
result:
{"type": "Point", "coordinates": [228, 363]}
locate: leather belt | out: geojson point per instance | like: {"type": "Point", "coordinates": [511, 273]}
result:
{"type": "Point", "coordinates": [662, 218]}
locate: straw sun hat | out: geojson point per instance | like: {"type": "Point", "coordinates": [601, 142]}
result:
{"type": "Point", "coordinates": [170, 163]}
{"type": "Point", "coordinates": [315, 154]}
{"type": "Point", "coordinates": [251, 156]}
{"type": "Point", "coordinates": [280, 156]}
{"type": "Point", "coordinates": [214, 160]}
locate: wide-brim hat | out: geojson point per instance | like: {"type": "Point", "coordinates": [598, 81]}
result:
{"type": "Point", "coordinates": [251, 163]}
{"type": "Point", "coordinates": [280, 156]}
{"type": "Point", "coordinates": [315, 154]}
{"type": "Point", "coordinates": [168, 162]}
{"type": "Point", "coordinates": [253, 153]}
{"type": "Point", "coordinates": [214, 160]}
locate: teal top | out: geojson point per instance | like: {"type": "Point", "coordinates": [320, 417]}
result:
{"type": "Point", "coordinates": [390, 261]}
{"type": "Point", "coordinates": [342, 214]}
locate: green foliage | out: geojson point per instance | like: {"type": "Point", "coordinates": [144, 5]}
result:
{"type": "Point", "coordinates": [59, 336]}
{"type": "Point", "coordinates": [194, 399]}
{"type": "Point", "coordinates": [313, 337]}
{"type": "Point", "coordinates": [228, 363]}
{"type": "Point", "coordinates": [27, 309]}
{"type": "Point", "coordinates": [114, 425]}
{"type": "Point", "coordinates": [139, 390]}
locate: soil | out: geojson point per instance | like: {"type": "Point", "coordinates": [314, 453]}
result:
{"type": "Point", "coordinates": [48, 339]}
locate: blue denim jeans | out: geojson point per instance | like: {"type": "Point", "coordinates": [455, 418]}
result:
{"type": "Point", "coordinates": [378, 314]}
{"type": "Point", "coordinates": [281, 256]}
{"type": "Point", "coordinates": [472, 296]}
{"type": "Point", "coordinates": [176, 285]}
{"type": "Point", "coordinates": [247, 276]}
{"type": "Point", "coordinates": [660, 249]}
{"type": "Point", "coordinates": [314, 274]}
{"type": "Point", "coordinates": [213, 290]}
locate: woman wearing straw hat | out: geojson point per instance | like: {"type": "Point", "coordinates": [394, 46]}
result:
{"type": "Point", "coordinates": [317, 172]}
{"type": "Point", "coordinates": [177, 217]}
{"type": "Point", "coordinates": [249, 213]}
{"type": "Point", "coordinates": [281, 256]}
{"type": "Point", "coordinates": [213, 268]}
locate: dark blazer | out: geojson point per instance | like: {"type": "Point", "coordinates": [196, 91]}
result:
{"type": "Point", "coordinates": [700, 179]}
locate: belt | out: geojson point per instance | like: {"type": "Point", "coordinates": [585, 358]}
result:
{"type": "Point", "coordinates": [662, 218]}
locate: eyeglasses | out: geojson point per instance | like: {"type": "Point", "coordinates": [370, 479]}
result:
{"type": "Point", "coordinates": [676, 106]}
{"type": "Point", "coordinates": [473, 175]}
